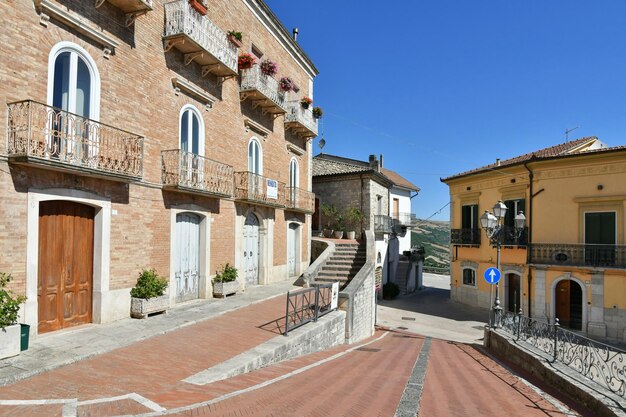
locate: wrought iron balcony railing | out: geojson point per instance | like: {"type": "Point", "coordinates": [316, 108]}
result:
{"type": "Point", "coordinates": [199, 39]}
{"type": "Point", "coordinates": [511, 237]}
{"type": "Point", "coordinates": [383, 223]}
{"type": "Point", "coordinates": [263, 89]}
{"type": "Point", "coordinates": [190, 172]}
{"type": "Point", "coordinates": [258, 189]}
{"type": "Point", "coordinates": [300, 200]}
{"type": "Point", "coordinates": [403, 219]}
{"type": "Point", "coordinates": [465, 236]}
{"type": "Point", "coordinates": [578, 254]}
{"type": "Point", "coordinates": [300, 120]}
{"type": "Point", "coordinates": [47, 136]}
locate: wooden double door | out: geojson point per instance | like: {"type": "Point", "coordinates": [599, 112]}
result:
{"type": "Point", "coordinates": [65, 268]}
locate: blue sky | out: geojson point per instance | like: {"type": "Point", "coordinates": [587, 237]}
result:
{"type": "Point", "coordinates": [439, 87]}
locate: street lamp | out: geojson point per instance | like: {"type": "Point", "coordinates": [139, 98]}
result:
{"type": "Point", "coordinates": [494, 227]}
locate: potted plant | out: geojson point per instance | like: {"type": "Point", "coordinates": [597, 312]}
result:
{"type": "Point", "coordinates": [339, 225]}
{"type": "Point", "coordinates": [199, 5]}
{"type": "Point", "coordinates": [225, 282]}
{"type": "Point", "coordinates": [286, 84]}
{"type": "Point", "coordinates": [148, 295]}
{"type": "Point", "coordinates": [354, 218]}
{"type": "Point", "coordinates": [317, 112]}
{"type": "Point", "coordinates": [235, 38]}
{"type": "Point", "coordinates": [390, 291]}
{"type": "Point", "coordinates": [269, 68]}
{"type": "Point", "coordinates": [246, 61]}
{"type": "Point", "coordinates": [10, 331]}
{"type": "Point", "coordinates": [329, 212]}
{"type": "Point", "coordinates": [305, 102]}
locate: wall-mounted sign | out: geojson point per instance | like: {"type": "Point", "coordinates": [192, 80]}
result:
{"type": "Point", "coordinates": [272, 189]}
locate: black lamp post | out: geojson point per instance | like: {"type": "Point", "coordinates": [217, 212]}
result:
{"type": "Point", "coordinates": [494, 227]}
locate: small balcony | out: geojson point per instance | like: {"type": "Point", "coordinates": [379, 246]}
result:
{"type": "Point", "coordinates": [263, 90]}
{"type": "Point", "coordinates": [579, 255]}
{"type": "Point", "coordinates": [511, 237]}
{"type": "Point", "coordinates": [257, 189]}
{"type": "Point", "coordinates": [403, 219]}
{"type": "Point", "coordinates": [465, 236]}
{"type": "Point", "coordinates": [132, 8]}
{"type": "Point", "coordinates": [185, 171]}
{"type": "Point", "coordinates": [51, 138]}
{"type": "Point", "coordinates": [300, 200]}
{"type": "Point", "coordinates": [383, 223]}
{"type": "Point", "coordinates": [300, 120]}
{"type": "Point", "coordinates": [199, 39]}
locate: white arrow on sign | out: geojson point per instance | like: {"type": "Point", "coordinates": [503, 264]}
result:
{"type": "Point", "coordinates": [492, 275]}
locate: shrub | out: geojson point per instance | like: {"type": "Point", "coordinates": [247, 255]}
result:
{"type": "Point", "coordinates": [149, 285]}
{"type": "Point", "coordinates": [390, 290]}
{"type": "Point", "coordinates": [227, 274]}
{"type": "Point", "coordinates": [9, 302]}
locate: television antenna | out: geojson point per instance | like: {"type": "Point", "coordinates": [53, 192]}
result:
{"type": "Point", "coordinates": [567, 132]}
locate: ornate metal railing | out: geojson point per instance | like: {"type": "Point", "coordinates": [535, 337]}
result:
{"type": "Point", "coordinates": [259, 189]}
{"type": "Point", "coordinates": [511, 237]}
{"type": "Point", "coordinates": [403, 219]}
{"type": "Point", "coordinates": [254, 80]}
{"type": "Point", "coordinates": [581, 254]}
{"type": "Point", "coordinates": [599, 362]}
{"type": "Point", "coordinates": [298, 114]}
{"type": "Point", "coordinates": [301, 200]}
{"type": "Point", "coordinates": [465, 236]}
{"type": "Point", "coordinates": [185, 170]}
{"type": "Point", "coordinates": [383, 223]}
{"type": "Point", "coordinates": [43, 134]}
{"type": "Point", "coordinates": [182, 19]}
{"type": "Point", "coordinates": [306, 305]}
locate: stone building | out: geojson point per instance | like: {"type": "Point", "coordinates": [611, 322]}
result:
{"type": "Point", "coordinates": [570, 260]}
{"type": "Point", "coordinates": [134, 141]}
{"type": "Point", "coordinates": [382, 195]}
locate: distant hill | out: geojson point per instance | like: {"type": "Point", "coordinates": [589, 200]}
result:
{"type": "Point", "coordinates": [434, 236]}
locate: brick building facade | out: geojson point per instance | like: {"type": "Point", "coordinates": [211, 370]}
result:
{"type": "Point", "coordinates": [133, 141]}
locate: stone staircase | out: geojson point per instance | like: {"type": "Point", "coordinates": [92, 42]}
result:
{"type": "Point", "coordinates": [343, 265]}
{"type": "Point", "coordinates": [402, 276]}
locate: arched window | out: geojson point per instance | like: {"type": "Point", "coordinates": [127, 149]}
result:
{"type": "Point", "coordinates": [73, 81]}
{"type": "Point", "coordinates": [255, 157]}
{"type": "Point", "coordinates": [191, 131]}
{"type": "Point", "coordinates": [294, 176]}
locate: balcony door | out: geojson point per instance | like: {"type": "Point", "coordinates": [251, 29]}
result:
{"type": "Point", "coordinates": [191, 145]}
{"type": "Point", "coordinates": [73, 90]}
{"type": "Point", "coordinates": [600, 238]}
{"type": "Point", "coordinates": [293, 182]}
{"type": "Point", "coordinates": [255, 168]}
{"type": "Point", "coordinates": [395, 213]}
{"type": "Point", "coordinates": [470, 233]}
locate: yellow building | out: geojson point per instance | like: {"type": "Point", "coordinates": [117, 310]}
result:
{"type": "Point", "coordinates": [570, 260]}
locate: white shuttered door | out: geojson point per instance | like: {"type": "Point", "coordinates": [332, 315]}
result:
{"type": "Point", "coordinates": [187, 256]}
{"type": "Point", "coordinates": [251, 249]}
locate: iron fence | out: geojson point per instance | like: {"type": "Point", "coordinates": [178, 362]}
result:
{"type": "Point", "coordinates": [186, 170]}
{"type": "Point", "coordinates": [599, 362]}
{"type": "Point", "coordinates": [306, 305]}
{"type": "Point", "coordinates": [465, 236]}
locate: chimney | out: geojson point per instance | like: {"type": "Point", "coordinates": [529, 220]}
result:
{"type": "Point", "coordinates": [381, 161]}
{"type": "Point", "coordinates": [295, 34]}
{"type": "Point", "coordinates": [497, 162]}
{"type": "Point", "coordinates": [373, 162]}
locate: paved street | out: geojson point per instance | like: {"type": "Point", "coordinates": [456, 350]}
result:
{"type": "Point", "coordinates": [367, 379]}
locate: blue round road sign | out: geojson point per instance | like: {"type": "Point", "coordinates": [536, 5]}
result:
{"type": "Point", "coordinates": [492, 275]}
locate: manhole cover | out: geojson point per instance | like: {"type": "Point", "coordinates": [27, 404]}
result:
{"type": "Point", "coordinates": [364, 349]}
{"type": "Point", "coordinates": [408, 318]}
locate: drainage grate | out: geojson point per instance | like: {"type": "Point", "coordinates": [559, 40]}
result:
{"type": "Point", "coordinates": [364, 349]}
{"type": "Point", "coordinates": [402, 328]}
{"type": "Point", "coordinates": [408, 318]}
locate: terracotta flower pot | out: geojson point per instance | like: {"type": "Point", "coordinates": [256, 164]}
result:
{"type": "Point", "coordinates": [235, 41]}
{"type": "Point", "coordinates": [197, 6]}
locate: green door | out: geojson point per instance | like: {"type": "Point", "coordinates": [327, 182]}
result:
{"type": "Point", "coordinates": [600, 238]}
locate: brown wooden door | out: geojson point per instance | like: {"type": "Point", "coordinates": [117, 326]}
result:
{"type": "Point", "coordinates": [563, 302]}
{"type": "Point", "coordinates": [64, 291]}
{"type": "Point", "coordinates": [513, 303]}
{"type": "Point", "coordinates": [396, 208]}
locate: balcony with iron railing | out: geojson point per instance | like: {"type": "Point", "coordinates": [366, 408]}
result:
{"type": "Point", "coordinates": [300, 120]}
{"type": "Point", "coordinates": [300, 200]}
{"type": "Point", "coordinates": [465, 236]}
{"type": "Point", "coordinates": [579, 255]}
{"type": "Point", "coordinates": [199, 39]}
{"type": "Point", "coordinates": [185, 171]}
{"type": "Point", "coordinates": [263, 90]}
{"type": "Point", "coordinates": [51, 138]}
{"type": "Point", "coordinates": [383, 223]}
{"type": "Point", "coordinates": [257, 189]}
{"type": "Point", "coordinates": [403, 219]}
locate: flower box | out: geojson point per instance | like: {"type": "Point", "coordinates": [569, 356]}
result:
{"type": "Point", "coordinates": [198, 6]}
{"type": "Point", "coordinates": [140, 308]}
{"type": "Point", "coordinates": [235, 41]}
{"type": "Point", "coordinates": [222, 289]}
{"type": "Point", "coordinates": [10, 341]}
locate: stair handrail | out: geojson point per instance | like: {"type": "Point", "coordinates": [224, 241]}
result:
{"type": "Point", "coordinates": [313, 270]}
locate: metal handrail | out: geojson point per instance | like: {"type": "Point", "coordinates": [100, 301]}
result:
{"type": "Point", "coordinates": [300, 199]}
{"type": "Point", "coordinates": [256, 188]}
{"type": "Point", "coordinates": [307, 305]}
{"type": "Point", "coordinates": [465, 236]}
{"type": "Point", "coordinates": [188, 170]}
{"type": "Point", "coordinates": [578, 254]}
{"type": "Point", "coordinates": [604, 364]}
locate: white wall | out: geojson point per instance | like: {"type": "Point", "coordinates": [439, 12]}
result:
{"type": "Point", "coordinates": [404, 197]}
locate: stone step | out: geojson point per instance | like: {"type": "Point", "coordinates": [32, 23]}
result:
{"type": "Point", "coordinates": [335, 258]}
{"type": "Point", "coordinates": [345, 262]}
